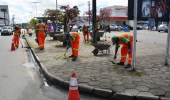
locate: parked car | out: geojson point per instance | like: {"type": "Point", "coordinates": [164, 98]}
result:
{"type": "Point", "coordinates": [6, 31]}
{"type": "Point", "coordinates": [74, 29]}
{"type": "Point", "coordinates": [139, 27]}
{"type": "Point", "coordinates": [113, 27]}
{"type": "Point", "coordinates": [0, 28]}
{"type": "Point", "coordinates": [129, 27]}
{"type": "Point", "coordinates": [162, 27]}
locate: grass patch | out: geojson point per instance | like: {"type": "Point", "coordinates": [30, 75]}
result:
{"type": "Point", "coordinates": [89, 44]}
{"type": "Point", "coordinates": [57, 57]}
{"type": "Point", "coordinates": [135, 73]}
{"type": "Point", "coordinates": [58, 45]}
{"type": "Point", "coordinates": [84, 56]}
{"type": "Point", "coordinates": [31, 45]}
{"type": "Point", "coordinates": [60, 57]}
{"type": "Point", "coordinates": [65, 57]}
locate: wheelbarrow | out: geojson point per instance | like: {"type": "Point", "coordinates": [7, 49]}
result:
{"type": "Point", "coordinates": [100, 47]}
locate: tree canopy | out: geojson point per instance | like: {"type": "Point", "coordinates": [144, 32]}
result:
{"type": "Point", "coordinates": [65, 15]}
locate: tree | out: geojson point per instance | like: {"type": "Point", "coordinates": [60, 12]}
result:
{"type": "Point", "coordinates": [104, 15]}
{"type": "Point", "coordinates": [65, 15]}
{"type": "Point", "coordinates": [69, 16]}
{"type": "Point", "coordinates": [33, 22]}
{"type": "Point", "coordinates": [52, 15]}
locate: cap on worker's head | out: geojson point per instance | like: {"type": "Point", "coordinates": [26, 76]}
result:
{"type": "Point", "coordinates": [67, 33]}
{"type": "Point", "coordinates": [114, 38]}
{"type": "Point", "coordinates": [39, 20]}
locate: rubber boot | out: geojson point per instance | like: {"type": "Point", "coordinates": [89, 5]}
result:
{"type": "Point", "coordinates": [120, 63]}
{"type": "Point", "coordinates": [71, 56]}
{"type": "Point", "coordinates": [74, 58]}
{"type": "Point", "coordinates": [128, 66]}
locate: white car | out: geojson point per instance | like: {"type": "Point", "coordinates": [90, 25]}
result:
{"type": "Point", "coordinates": [113, 27]}
{"type": "Point", "coordinates": [6, 31]}
{"type": "Point", "coordinates": [74, 29]}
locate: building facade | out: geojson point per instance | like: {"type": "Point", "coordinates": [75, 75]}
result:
{"type": "Point", "coordinates": [119, 15]}
{"type": "Point", "coordinates": [4, 15]}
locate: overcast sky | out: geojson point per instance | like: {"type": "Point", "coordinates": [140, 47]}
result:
{"type": "Point", "coordinates": [24, 10]}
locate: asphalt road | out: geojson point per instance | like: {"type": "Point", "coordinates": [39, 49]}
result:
{"type": "Point", "coordinates": [145, 36]}
{"type": "Point", "coordinates": [21, 79]}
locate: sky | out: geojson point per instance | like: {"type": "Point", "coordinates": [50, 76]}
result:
{"type": "Point", "coordinates": [24, 10]}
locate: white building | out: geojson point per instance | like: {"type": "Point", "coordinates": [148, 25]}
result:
{"type": "Point", "coordinates": [4, 19]}
{"type": "Point", "coordinates": [120, 16]}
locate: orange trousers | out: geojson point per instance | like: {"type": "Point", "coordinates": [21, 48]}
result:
{"type": "Point", "coordinates": [75, 45]}
{"type": "Point", "coordinates": [124, 53]}
{"type": "Point", "coordinates": [86, 36]}
{"type": "Point", "coordinates": [16, 39]}
{"type": "Point", "coordinates": [41, 39]}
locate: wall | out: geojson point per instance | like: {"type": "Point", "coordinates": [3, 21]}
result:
{"type": "Point", "coordinates": [117, 11]}
{"type": "Point", "coordinates": [6, 15]}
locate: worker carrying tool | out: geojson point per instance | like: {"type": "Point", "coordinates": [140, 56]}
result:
{"type": "Point", "coordinates": [74, 38]}
{"type": "Point", "coordinates": [126, 40]}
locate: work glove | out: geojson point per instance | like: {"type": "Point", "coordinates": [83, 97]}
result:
{"type": "Point", "coordinates": [67, 47]}
{"type": "Point", "coordinates": [115, 57]}
{"type": "Point", "coordinates": [129, 51]}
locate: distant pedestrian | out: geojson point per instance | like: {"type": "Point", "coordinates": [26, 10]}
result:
{"type": "Point", "coordinates": [40, 34]}
{"type": "Point", "coordinates": [126, 40]}
{"type": "Point", "coordinates": [85, 33]}
{"type": "Point", "coordinates": [108, 28]}
{"type": "Point", "coordinates": [16, 36]}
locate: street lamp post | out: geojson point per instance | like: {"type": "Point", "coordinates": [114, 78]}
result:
{"type": "Point", "coordinates": [13, 20]}
{"type": "Point", "coordinates": [89, 12]}
{"type": "Point", "coordinates": [4, 10]}
{"type": "Point", "coordinates": [56, 18]}
{"type": "Point", "coordinates": [94, 21]}
{"type": "Point", "coordinates": [35, 7]}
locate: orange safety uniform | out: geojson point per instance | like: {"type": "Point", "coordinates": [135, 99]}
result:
{"type": "Point", "coordinates": [75, 42]}
{"type": "Point", "coordinates": [41, 34]}
{"type": "Point", "coordinates": [85, 33]}
{"type": "Point", "coordinates": [123, 40]}
{"type": "Point", "coordinates": [16, 36]}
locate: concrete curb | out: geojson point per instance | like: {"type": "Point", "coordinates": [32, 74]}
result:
{"type": "Point", "coordinates": [88, 89]}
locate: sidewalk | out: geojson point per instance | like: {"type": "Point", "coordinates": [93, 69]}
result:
{"type": "Point", "coordinates": [98, 76]}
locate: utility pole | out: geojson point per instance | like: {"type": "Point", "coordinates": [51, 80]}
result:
{"type": "Point", "coordinates": [13, 20]}
{"type": "Point", "coordinates": [4, 10]}
{"type": "Point", "coordinates": [56, 18]}
{"type": "Point", "coordinates": [35, 7]}
{"type": "Point", "coordinates": [89, 11]}
{"type": "Point", "coordinates": [94, 21]}
{"type": "Point", "coordinates": [134, 36]}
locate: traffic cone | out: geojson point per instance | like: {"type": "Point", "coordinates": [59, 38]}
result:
{"type": "Point", "coordinates": [12, 46]}
{"type": "Point", "coordinates": [73, 89]}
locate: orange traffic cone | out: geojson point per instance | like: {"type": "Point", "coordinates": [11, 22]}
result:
{"type": "Point", "coordinates": [12, 46]}
{"type": "Point", "coordinates": [73, 89]}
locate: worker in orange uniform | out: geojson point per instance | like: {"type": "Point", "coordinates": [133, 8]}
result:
{"type": "Point", "coordinates": [126, 40]}
{"type": "Point", "coordinates": [40, 34]}
{"type": "Point", "coordinates": [16, 35]}
{"type": "Point", "coordinates": [85, 33]}
{"type": "Point", "coordinates": [74, 38]}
